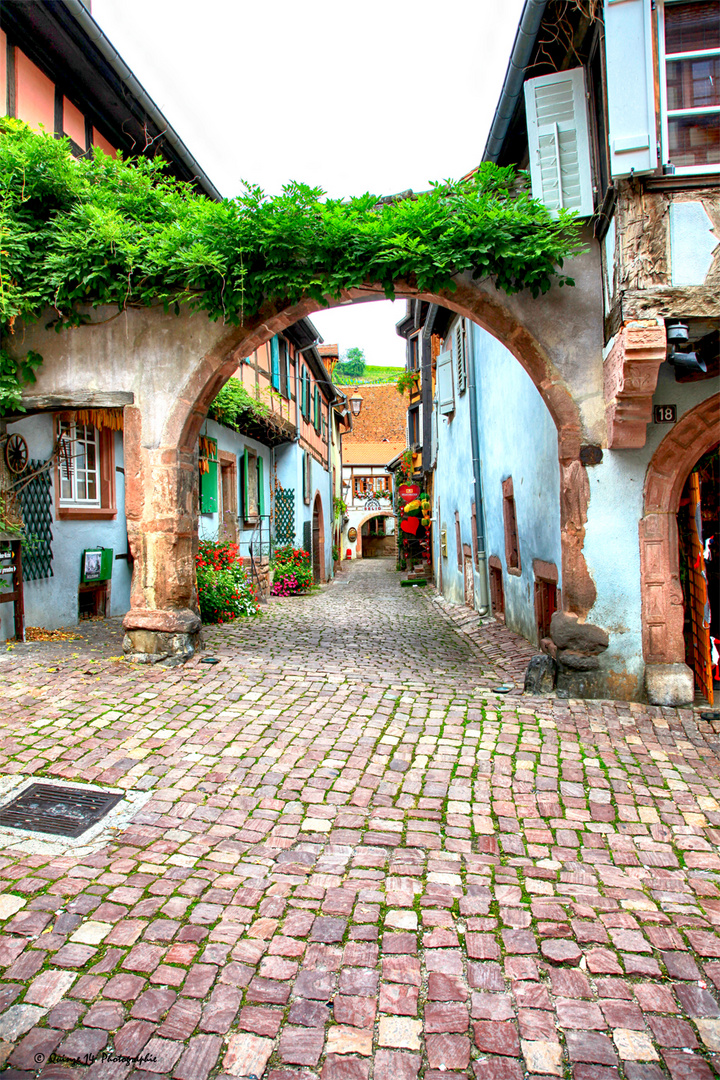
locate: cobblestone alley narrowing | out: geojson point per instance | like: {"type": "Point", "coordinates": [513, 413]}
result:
{"type": "Point", "coordinates": [357, 859]}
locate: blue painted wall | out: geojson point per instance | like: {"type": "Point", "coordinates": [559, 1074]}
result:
{"type": "Point", "coordinates": [53, 602]}
{"type": "Point", "coordinates": [518, 438]}
{"type": "Point", "coordinates": [209, 525]}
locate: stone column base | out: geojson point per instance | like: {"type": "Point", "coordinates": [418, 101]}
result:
{"type": "Point", "coordinates": [669, 684]}
{"type": "Point", "coordinates": [155, 637]}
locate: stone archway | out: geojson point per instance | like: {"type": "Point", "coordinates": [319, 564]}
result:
{"type": "Point", "coordinates": [171, 367]}
{"type": "Point", "coordinates": [369, 517]}
{"type": "Point", "coordinates": [669, 468]}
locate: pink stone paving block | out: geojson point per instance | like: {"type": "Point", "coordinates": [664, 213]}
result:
{"type": "Point", "coordinates": [696, 1001]}
{"type": "Point", "coordinates": [358, 1012]}
{"type": "Point", "coordinates": [485, 976]}
{"type": "Point", "coordinates": [272, 967]}
{"type": "Point", "coordinates": [703, 943]}
{"type": "Point", "coordinates": [199, 980]}
{"type": "Point", "coordinates": [623, 1014]}
{"type": "Point", "coordinates": [152, 1004]}
{"type": "Point", "coordinates": [260, 1021]}
{"type": "Point", "coordinates": [131, 1038]}
{"type": "Point", "coordinates": [83, 1043]}
{"type": "Point", "coordinates": [491, 1006]}
{"type": "Point", "coordinates": [221, 1009]}
{"type": "Point", "coordinates": [579, 1014]}
{"type": "Point", "coordinates": [309, 1013]}
{"type": "Point", "coordinates": [448, 1051]}
{"type": "Point", "coordinates": [498, 1068]}
{"type": "Point", "coordinates": [301, 1046]}
{"type": "Point", "coordinates": [445, 1017]}
{"type": "Point", "coordinates": [34, 1050]}
{"type": "Point", "coordinates": [398, 1000]}
{"type": "Point", "coordinates": [603, 962]}
{"type": "Point", "coordinates": [492, 1037]}
{"type": "Point", "coordinates": [653, 997]}
{"type": "Point", "coordinates": [182, 1019]}
{"type": "Point", "coordinates": [482, 947]}
{"type": "Point", "coordinates": [608, 1072]}
{"type": "Point", "coordinates": [671, 1032]}
{"type": "Point", "coordinates": [199, 1058]}
{"type": "Point", "coordinates": [536, 1024]}
{"type": "Point", "coordinates": [446, 988]}
{"type": "Point", "coordinates": [531, 995]}
{"type": "Point", "coordinates": [314, 985]}
{"type": "Point", "coordinates": [590, 1047]}
{"type": "Point", "coordinates": [399, 943]}
{"type": "Point", "coordinates": [686, 1066]}
{"type": "Point", "coordinates": [519, 942]}
{"type": "Point", "coordinates": [396, 1065]}
{"type": "Point", "coordinates": [108, 1015]}
{"type": "Point", "coordinates": [360, 954]}
{"type": "Point", "coordinates": [447, 961]}
{"type": "Point", "coordinates": [328, 929]}
{"type": "Point", "coordinates": [164, 975]}
{"type": "Point", "coordinates": [401, 969]}
{"type": "Point", "coordinates": [561, 952]}
{"type": "Point", "coordinates": [341, 1067]}
{"type": "Point", "coordinates": [680, 965]}
{"type": "Point", "coordinates": [124, 987]}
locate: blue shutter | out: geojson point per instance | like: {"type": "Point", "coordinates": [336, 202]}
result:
{"type": "Point", "coordinates": [445, 392]}
{"type": "Point", "coordinates": [630, 86]}
{"type": "Point", "coordinates": [275, 363]}
{"type": "Point", "coordinates": [558, 141]}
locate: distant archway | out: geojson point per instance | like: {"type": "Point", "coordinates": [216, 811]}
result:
{"type": "Point", "coordinates": [669, 468]}
{"type": "Point", "coordinates": [368, 517]}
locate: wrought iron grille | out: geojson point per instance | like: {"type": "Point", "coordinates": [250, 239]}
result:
{"type": "Point", "coordinates": [285, 516]}
{"type": "Point", "coordinates": [36, 503]}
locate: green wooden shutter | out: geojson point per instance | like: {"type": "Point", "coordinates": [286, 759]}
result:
{"type": "Point", "coordinates": [209, 484]}
{"type": "Point", "coordinates": [261, 486]}
{"type": "Point", "coordinates": [318, 414]}
{"type": "Point", "coordinates": [275, 363]}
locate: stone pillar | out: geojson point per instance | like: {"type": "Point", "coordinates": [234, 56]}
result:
{"type": "Point", "coordinates": [161, 493]}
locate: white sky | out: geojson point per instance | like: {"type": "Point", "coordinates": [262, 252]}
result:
{"type": "Point", "coordinates": [378, 96]}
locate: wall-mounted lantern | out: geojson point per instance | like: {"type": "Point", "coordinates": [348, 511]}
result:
{"type": "Point", "coordinates": [355, 403]}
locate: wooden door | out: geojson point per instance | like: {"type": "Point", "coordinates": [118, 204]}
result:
{"type": "Point", "coordinates": [700, 647]}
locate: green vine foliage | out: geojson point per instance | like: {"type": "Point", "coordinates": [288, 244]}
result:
{"type": "Point", "coordinates": [234, 403]}
{"type": "Point", "coordinates": [100, 230]}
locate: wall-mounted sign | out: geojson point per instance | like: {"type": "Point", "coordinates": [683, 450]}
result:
{"type": "Point", "coordinates": [352, 534]}
{"type": "Point", "coordinates": [408, 492]}
{"type": "Point", "coordinates": [665, 414]}
{"type": "Point", "coordinates": [96, 564]}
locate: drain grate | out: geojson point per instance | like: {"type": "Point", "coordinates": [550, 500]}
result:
{"type": "Point", "coordinates": [63, 811]}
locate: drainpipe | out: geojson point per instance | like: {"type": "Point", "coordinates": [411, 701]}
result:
{"type": "Point", "coordinates": [514, 76]}
{"type": "Point", "coordinates": [477, 474]}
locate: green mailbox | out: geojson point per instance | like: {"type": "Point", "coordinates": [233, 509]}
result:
{"type": "Point", "coordinates": [96, 565]}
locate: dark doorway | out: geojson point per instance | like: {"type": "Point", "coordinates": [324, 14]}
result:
{"type": "Point", "coordinates": [698, 527]}
{"type": "Point", "coordinates": [318, 541]}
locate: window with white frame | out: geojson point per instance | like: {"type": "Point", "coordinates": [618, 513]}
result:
{"type": "Point", "coordinates": [79, 465]}
{"type": "Point", "coordinates": [690, 41]}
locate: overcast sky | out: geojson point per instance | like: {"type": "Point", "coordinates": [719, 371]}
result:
{"type": "Point", "coordinates": [377, 96]}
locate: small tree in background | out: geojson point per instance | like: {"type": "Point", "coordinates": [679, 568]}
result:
{"type": "Point", "coordinates": [352, 364]}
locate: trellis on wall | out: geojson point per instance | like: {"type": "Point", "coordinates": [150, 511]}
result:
{"type": "Point", "coordinates": [35, 495]}
{"type": "Point", "coordinates": [285, 516]}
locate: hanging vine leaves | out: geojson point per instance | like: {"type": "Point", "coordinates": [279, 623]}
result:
{"type": "Point", "coordinates": [100, 230]}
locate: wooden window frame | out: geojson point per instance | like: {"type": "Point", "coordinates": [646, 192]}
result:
{"type": "Point", "coordinates": [497, 590]}
{"type": "Point", "coordinates": [546, 581]}
{"type": "Point", "coordinates": [512, 538]}
{"type": "Point", "coordinates": [107, 510]}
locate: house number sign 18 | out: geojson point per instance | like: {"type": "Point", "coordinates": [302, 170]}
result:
{"type": "Point", "coordinates": [665, 414]}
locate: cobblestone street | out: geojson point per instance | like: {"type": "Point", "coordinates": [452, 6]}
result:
{"type": "Point", "coordinates": [356, 858]}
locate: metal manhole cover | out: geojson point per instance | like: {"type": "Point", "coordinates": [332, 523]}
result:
{"type": "Point", "coordinates": [63, 811]}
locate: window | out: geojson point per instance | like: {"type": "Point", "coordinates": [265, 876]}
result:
{"type": "Point", "coordinates": [512, 548]}
{"type": "Point", "coordinates": [284, 368]}
{"type": "Point", "coordinates": [367, 485]}
{"type": "Point", "coordinates": [414, 426]}
{"type": "Point", "coordinates": [307, 480]}
{"type": "Point", "coordinates": [414, 353]}
{"type": "Point", "coordinates": [85, 471]}
{"type": "Point", "coordinates": [305, 396]}
{"type": "Point", "coordinates": [79, 465]}
{"type": "Point", "coordinates": [251, 480]}
{"type": "Point", "coordinates": [690, 39]}
{"type": "Point", "coordinates": [317, 406]}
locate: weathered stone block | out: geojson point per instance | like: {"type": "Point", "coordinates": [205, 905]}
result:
{"type": "Point", "coordinates": [568, 632]}
{"type": "Point", "coordinates": [540, 675]}
{"type": "Point", "coordinates": [669, 684]}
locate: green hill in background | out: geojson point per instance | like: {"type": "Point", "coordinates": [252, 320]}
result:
{"type": "Point", "coordinates": [373, 376]}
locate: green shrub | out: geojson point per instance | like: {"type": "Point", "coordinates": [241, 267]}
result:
{"type": "Point", "coordinates": [225, 590]}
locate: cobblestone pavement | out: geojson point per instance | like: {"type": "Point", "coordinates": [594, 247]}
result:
{"type": "Point", "coordinates": [358, 859]}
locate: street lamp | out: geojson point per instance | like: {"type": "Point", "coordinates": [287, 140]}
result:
{"type": "Point", "coordinates": [355, 403]}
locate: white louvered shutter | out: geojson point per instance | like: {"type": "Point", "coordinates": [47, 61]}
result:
{"type": "Point", "coordinates": [630, 86]}
{"type": "Point", "coordinates": [460, 365]}
{"type": "Point", "coordinates": [445, 393]}
{"type": "Point", "coordinates": [556, 109]}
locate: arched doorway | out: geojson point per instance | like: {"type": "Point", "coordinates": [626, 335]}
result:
{"type": "Point", "coordinates": [376, 537]}
{"type": "Point", "coordinates": [663, 599]}
{"type": "Point", "coordinates": [318, 541]}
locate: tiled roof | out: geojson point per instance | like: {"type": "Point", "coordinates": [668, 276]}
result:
{"type": "Point", "coordinates": [369, 453]}
{"type": "Point", "coordinates": [382, 416]}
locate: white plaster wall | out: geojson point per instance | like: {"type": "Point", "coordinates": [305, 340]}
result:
{"type": "Point", "coordinates": [612, 548]}
{"type": "Point", "coordinates": [53, 602]}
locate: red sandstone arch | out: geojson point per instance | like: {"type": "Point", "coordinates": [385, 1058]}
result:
{"type": "Point", "coordinates": [369, 517]}
{"type": "Point", "coordinates": [490, 311]}
{"type": "Point", "coordinates": [317, 509]}
{"type": "Point", "coordinates": [669, 468]}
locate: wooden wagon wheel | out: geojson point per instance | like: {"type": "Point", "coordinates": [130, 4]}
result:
{"type": "Point", "coordinates": [16, 454]}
